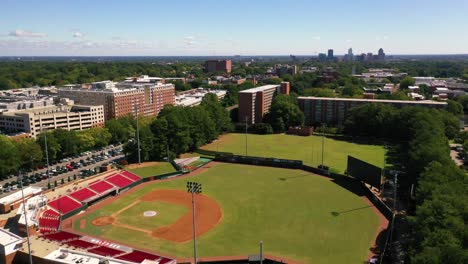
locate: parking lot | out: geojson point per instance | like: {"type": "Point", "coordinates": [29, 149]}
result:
{"type": "Point", "coordinates": [85, 164]}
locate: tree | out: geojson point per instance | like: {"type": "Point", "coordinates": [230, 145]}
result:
{"type": "Point", "coordinates": [406, 82]}
{"type": "Point", "coordinates": [455, 107]}
{"type": "Point", "coordinates": [9, 157]}
{"type": "Point", "coordinates": [284, 113]}
{"type": "Point", "coordinates": [30, 154]}
{"type": "Point", "coordinates": [218, 114]}
{"type": "Point", "coordinates": [53, 147]}
{"type": "Point", "coordinates": [320, 92]}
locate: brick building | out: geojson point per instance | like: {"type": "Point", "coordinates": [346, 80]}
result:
{"type": "Point", "coordinates": [125, 98]}
{"type": "Point", "coordinates": [256, 102]}
{"type": "Point", "coordinates": [333, 111]}
{"type": "Point", "coordinates": [218, 66]}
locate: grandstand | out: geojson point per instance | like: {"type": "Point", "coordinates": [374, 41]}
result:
{"type": "Point", "coordinates": [119, 180]}
{"type": "Point", "coordinates": [102, 187]}
{"type": "Point", "coordinates": [104, 248]}
{"type": "Point", "coordinates": [64, 204]}
{"type": "Point", "coordinates": [83, 194]}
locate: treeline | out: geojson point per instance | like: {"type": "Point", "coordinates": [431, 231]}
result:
{"type": "Point", "coordinates": [26, 153]}
{"type": "Point", "coordinates": [179, 129]}
{"type": "Point", "coordinates": [26, 74]}
{"type": "Point", "coordinates": [439, 229]}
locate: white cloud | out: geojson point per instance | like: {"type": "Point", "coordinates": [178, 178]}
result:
{"type": "Point", "coordinates": [349, 40]}
{"type": "Point", "coordinates": [78, 34]}
{"type": "Point", "coordinates": [20, 33]}
{"type": "Point", "coordinates": [317, 38]}
{"type": "Point", "coordinates": [190, 41]}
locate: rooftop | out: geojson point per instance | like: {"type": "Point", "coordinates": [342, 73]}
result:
{"type": "Point", "coordinates": [17, 195]}
{"type": "Point", "coordinates": [260, 88]}
{"type": "Point", "coordinates": [7, 238]}
{"type": "Point", "coordinates": [62, 255]}
{"type": "Point", "coordinates": [371, 100]}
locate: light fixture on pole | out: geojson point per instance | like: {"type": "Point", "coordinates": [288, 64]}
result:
{"type": "Point", "coordinates": [20, 180]}
{"type": "Point", "coordinates": [194, 188]}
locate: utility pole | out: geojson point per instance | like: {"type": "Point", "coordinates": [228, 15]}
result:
{"type": "Point", "coordinates": [20, 179]}
{"type": "Point", "coordinates": [246, 118]}
{"type": "Point", "coordinates": [323, 141]}
{"type": "Point", "coordinates": [47, 157]}
{"type": "Point", "coordinates": [194, 188]}
{"type": "Point", "coordinates": [261, 252]}
{"type": "Point", "coordinates": [138, 134]}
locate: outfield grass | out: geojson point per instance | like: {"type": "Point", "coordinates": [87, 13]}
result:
{"type": "Point", "coordinates": [167, 213]}
{"type": "Point", "coordinates": [307, 149]}
{"type": "Point", "coordinates": [292, 211]}
{"type": "Point", "coordinates": [161, 168]}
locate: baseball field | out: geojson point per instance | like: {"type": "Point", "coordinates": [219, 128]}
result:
{"type": "Point", "coordinates": [307, 149]}
{"type": "Point", "coordinates": [298, 215]}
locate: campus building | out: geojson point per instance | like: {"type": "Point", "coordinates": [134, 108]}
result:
{"type": "Point", "coordinates": [128, 97]}
{"type": "Point", "coordinates": [218, 66]}
{"type": "Point", "coordinates": [333, 111]}
{"type": "Point", "coordinates": [255, 103]}
{"type": "Point", "coordinates": [34, 121]}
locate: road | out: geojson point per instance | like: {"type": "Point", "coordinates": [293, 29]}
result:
{"type": "Point", "coordinates": [454, 154]}
{"type": "Point", "coordinates": [65, 176]}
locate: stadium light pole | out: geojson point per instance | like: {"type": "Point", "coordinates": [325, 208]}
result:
{"type": "Point", "coordinates": [194, 188]}
{"type": "Point", "coordinates": [323, 141]}
{"type": "Point", "coordinates": [138, 134]}
{"type": "Point", "coordinates": [47, 155]}
{"type": "Point", "coordinates": [20, 179]}
{"type": "Point", "coordinates": [246, 118]}
{"type": "Point", "coordinates": [261, 252]}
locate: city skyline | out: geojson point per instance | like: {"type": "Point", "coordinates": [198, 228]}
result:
{"type": "Point", "coordinates": [218, 28]}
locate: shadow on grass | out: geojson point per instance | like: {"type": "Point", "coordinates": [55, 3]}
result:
{"type": "Point", "coordinates": [293, 177]}
{"type": "Point", "coordinates": [351, 210]}
{"type": "Point", "coordinates": [351, 185]}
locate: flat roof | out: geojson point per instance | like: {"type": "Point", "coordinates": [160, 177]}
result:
{"type": "Point", "coordinates": [16, 196]}
{"type": "Point", "coordinates": [72, 256]}
{"type": "Point", "coordinates": [371, 100]}
{"type": "Point", "coordinates": [7, 238]}
{"type": "Point", "coordinates": [260, 88]}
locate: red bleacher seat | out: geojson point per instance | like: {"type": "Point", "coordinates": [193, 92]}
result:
{"type": "Point", "coordinates": [61, 236]}
{"type": "Point", "coordinates": [82, 194]}
{"type": "Point", "coordinates": [119, 180]}
{"type": "Point", "coordinates": [101, 186]}
{"type": "Point", "coordinates": [130, 175]}
{"type": "Point", "coordinates": [50, 214]}
{"type": "Point", "coordinates": [164, 260]}
{"type": "Point", "coordinates": [51, 223]}
{"type": "Point", "coordinates": [64, 204]}
{"type": "Point", "coordinates": [105, 251]}
{"type": "Point", "coordinates": [138, 256]}
{"type": "Point", "coordinates": [80, 244]}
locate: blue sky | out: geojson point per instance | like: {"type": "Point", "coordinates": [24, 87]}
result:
{"type": "Point", "coordinates": [229, 27]}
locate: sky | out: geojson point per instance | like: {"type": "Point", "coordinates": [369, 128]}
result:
{"type": "Point", "coordinates": [231, 27]}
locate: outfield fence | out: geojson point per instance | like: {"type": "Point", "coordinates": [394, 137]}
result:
{"type": "Point", "coordinates": [298, 164]}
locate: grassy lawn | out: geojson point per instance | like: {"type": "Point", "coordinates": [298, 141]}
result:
{"type": "Point", "coordinates": [161, 168]}
{"type": "Point", "coordinates": [307, 149]}
{"type": "Point", "coordinates": [167, 213]}
{"type": "Point", "coordinates": [292, 211]}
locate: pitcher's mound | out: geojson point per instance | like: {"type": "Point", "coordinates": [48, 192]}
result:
{"type": "Point", "coordinates": [149, 213]}
{"type": "Point", "coordinates": [102, 221]}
